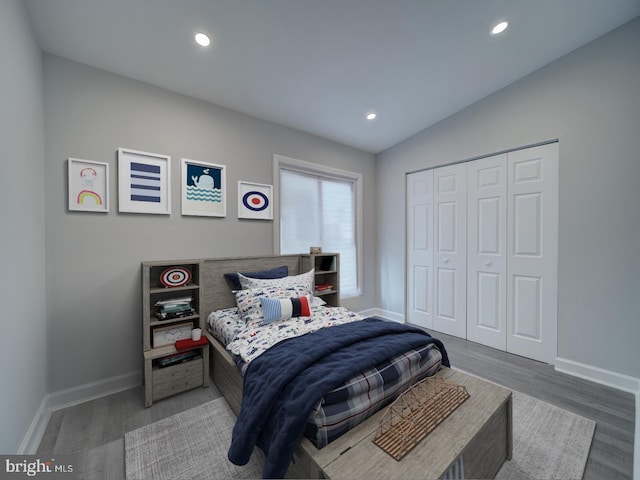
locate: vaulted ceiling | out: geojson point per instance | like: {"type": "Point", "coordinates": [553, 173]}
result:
{"type": "Point", "coordinates": [321, 65]}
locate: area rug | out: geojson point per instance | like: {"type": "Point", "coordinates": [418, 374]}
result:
{"type": "Point", "coordinates": [548, 443]}
{"type": "Point", "coordinates": [189, 445]}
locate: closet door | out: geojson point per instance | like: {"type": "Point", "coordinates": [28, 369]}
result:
{"type": "Point", "coordinates": [420, 248]}
{"type": "Point", "coordinates": [533, 252]}
{"type": "Point", "coordinates": [450, 259]}
{"type": "Point", "coordinates": [487, 251]}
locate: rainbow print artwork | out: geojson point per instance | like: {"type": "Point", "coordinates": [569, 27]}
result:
{"type": "Point", "coordinates": [87, 197]}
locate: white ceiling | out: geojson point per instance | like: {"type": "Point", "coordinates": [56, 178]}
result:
{"type": "Point", "coordinates": [320, 65]}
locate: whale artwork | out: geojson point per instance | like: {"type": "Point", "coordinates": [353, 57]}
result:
{"type": "Point", "coordinates": [203, 189]}
{"type": "Point", "coordinates": [205, 181]}
{"type": "Point", "coordinates": [204, 186]}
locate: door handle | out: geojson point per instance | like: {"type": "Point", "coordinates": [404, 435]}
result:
{"type": "Point", "coordinates": [488, 263]}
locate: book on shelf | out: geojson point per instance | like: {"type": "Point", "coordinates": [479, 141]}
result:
{"type": "Point", "coordinates": [178, 314]}
{"type": "Point", "coordinates": [176, 358]}
{"type": "Point", "coordinates": [172, 302]}
{"type": "Point", "coordinates": [323, 286]}
{"type": "Point", "coordinates": [178, 307]}
{"type": "Point", "coordinates": [174, 308]}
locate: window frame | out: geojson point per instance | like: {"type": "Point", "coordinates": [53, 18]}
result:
{"type": "Point", "coordinates": [281, 162]}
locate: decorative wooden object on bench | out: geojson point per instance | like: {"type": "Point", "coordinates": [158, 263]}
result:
{"type": "Point", "coordinates": [415, 413]}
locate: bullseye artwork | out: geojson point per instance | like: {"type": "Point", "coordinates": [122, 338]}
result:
{"type": "Point", "coordinates": [175, 277]}
{"type": "Point", "coordinates": [255, 201]}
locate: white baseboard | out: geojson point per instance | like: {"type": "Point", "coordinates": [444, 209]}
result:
{"type": "Point", "coordinates": [69, 397]}
{"type": "Point", "coordinates": [598, 375]}
{"type": "Point", "coordinates": [31, 440]}
{"type": "Point", "coordinates": [385, 314]}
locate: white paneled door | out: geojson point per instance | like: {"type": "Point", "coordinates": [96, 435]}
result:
{"type": "Point", "coordinates": [450, 256]}
{"type": "Point", "coordinates": [482, 240]}
{"type": "Point", "coordinates": [420, 248]}
{"type": "Point", "coordinates": [486, 251]}
{"type": "Point", "coordinates": [533, 252]}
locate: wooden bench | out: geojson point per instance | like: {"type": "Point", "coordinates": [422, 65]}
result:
{"type": "Point", "coordinates": [479, 430]}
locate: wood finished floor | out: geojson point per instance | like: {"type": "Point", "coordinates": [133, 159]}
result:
{"type": "Point", "coordinates": [94, 431]}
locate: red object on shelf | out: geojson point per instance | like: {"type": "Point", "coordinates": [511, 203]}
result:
{"type": "Point", "coordinates": [187, 343]}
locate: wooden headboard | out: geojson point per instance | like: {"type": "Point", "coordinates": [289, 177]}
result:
{"type": "Point", "coordinates": [216, 292]}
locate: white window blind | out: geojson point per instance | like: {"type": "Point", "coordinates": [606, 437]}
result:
{"type": "Point", "coordinates": [318, 210]}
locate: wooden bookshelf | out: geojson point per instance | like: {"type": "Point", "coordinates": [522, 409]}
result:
{"type": "Point", "coordinates": [161, 382]}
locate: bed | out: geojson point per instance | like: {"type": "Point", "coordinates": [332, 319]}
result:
{"type": "Point", "coordinates": [385, 372]}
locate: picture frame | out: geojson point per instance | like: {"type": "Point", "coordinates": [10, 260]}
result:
{"type": "Point", "coordinates": [169, 335]}
{"type": "Point", "coordinates": [88, 185]}
{"type": "Point", "coordinates": [204, 188]}
{"type": "Point", "coordinates": [144, 182]}
{"type": "Point", "coordinates": [255, 201]}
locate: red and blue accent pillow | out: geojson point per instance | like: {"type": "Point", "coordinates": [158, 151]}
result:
{"type": "Point", "coordinates": [283, 309]}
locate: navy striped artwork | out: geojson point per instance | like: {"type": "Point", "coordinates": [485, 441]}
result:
{"type": "Point", "coordinates": [145, 182]}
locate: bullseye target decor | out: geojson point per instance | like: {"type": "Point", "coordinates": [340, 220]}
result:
{"type": "Point", "coordinates": [175, 277]}
{"type": "Point", "coordinates": [255, 201]}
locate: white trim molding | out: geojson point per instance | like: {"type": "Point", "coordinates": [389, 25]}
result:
{"type": "Point", "coordinates": [384, 314]}
{"type": "Point", "coordinates": [598, 375]}
{"type": "Point", "coordinates": [35, 432]}
{"type": "Point", "coordinates": [69, 397]}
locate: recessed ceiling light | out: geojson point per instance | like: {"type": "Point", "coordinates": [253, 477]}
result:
{"type": "Point", "coordinates": [371, 116]}
{"type": "Point", "coordinates": [499, 28]}
{"type": "Point", "coordinates": [202, 39]}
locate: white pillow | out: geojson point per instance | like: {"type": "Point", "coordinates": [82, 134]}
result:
{"type": "Point", "coordinates": [305, 279]}
{"type": "Point", "coordinates": [248, 301]}
{"type": "Point", "coordinates": [302, 279]}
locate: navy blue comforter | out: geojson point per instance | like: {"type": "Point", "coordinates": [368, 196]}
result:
{"type": "Point", "coordinates": [283, 384]}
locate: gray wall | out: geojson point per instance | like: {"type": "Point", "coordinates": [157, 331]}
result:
{"type": "Point", "coordinates": [590, 101]}
{"type": "Point", "coordinates": [23, 365]}
{"type": "Point", "coordinates": [93, 260]}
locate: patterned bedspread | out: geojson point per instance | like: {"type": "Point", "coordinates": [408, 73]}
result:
{"type": "Point", "coordinates": [258, 337]}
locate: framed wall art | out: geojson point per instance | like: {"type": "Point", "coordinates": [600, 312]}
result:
{"type": "Point", "coordinates": [204, 189]}
{"type": "Point", "coordinates": [144, 182]}
{"type": "Point", "coordinates": [88, 185]}
{"type": "Point", "coordinates": [255, 201]}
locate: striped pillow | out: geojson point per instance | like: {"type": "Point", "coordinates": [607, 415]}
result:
{"type": "Point", "coordinates": [283, 309]}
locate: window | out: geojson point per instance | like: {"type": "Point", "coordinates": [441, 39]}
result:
{"type": "Point", "coordinates": [320, 207]}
